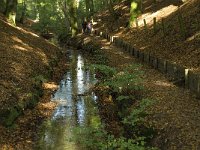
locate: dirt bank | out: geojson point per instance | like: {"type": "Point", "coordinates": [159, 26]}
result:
{"type": "Point", "coordinates": [172, 44]}
{"type": "Point", "coordinates": [30, 66]}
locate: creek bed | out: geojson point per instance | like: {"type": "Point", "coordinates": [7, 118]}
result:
{"type": "Point", "coordinates": [76, 107]}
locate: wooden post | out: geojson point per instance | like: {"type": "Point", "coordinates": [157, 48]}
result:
{"type": "Point", "coordinates": [141, 6]}
{"type": "Point", "coordinates": [154, 4]}
{"type": "Point", "coordinates": [198, 23]}
{"type": "Point", "coordinates": [145, 24]}
{"type": "Point", "coordinates": [154, 25]}
{"type": "Point", "coordinates": [163, 27]}
{"type": "Point", "coordinates": [181, 25]}
{"type": "Point", "coordinates": [136, 23]}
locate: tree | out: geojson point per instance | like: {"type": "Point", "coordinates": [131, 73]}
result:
{"type": "Point", "coordinates": [65, 9]}
{"type": "Point", "coordinates": [11, 10]}
{"type": "Point", "coordinates": [89, 4]}
{"type": "Point", "coordinates": [111, 9]}
{"type": "Point", "coordinates": [134, 11]}
{"type": "Point", "coordinates": [23, 12]}
{"type": "Point", "coordinates": [73, 16]}
{"type": "Point", "coordinates": [2, 5]}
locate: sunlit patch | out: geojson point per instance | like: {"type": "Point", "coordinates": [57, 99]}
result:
{"type": "Point", "coordinates": [16, 39]}
{"type": "Point", "coordinates": [48, 105]}
{"type": "Point", "coordinates": [50, 85]}
{"type": "Point", "coordinates": [20, 48]}
{"type": "Point", "coordinates": [87, 40]}
{"type": "Point", "coordinates": [7, 147]}
{"type": "Point", "coordinates": [162, 13]}
{"type": "Point", "coordinates": [195, 36]}
{"type": "Point", "coordinates": [94, 23]}
{"type": "Point", "coordinates": [143, 47]}
{"type": "Point", "coordinates": [33, 34]}
{"type": "Point", "coordinates": [162, 83]}
{"type": "Point", "coordinates": [125, 7]}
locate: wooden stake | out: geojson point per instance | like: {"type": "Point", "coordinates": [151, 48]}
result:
{"type": "Point", "coordinates": [154, 25]}
{"type": "Point", "coordinates": [163, 27]}
{"type": "Point", "coordinates": [181, 25]}
{"type": "Point", "coordinates": [136, 23]}
{"type": "Point", "coordinates": [145, 24]}
{"type": "Point", "coordinates": [141, 6]}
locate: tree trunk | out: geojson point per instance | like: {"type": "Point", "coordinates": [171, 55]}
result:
{"type": "Point", "coordinates": [73, 16]}
{"type": "Point", "coordinates": [87, 5]}
{"type": "Point", "coordinates": [11, 10]}
{"type": "Point", "coordinates": [67, 19]}
{"type": "Point", "coordinates": [111, 9]}
{"type": "Point", "coordinates": [23, 12]}
{"type": "Point", "coordinates": [91, 7]}
{"type": "Point", "coordinates": [2, 5]}
{"type": "Point", "coordinates": [134, 11]}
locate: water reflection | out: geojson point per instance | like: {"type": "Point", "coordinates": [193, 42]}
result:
{"type": "Point", "coordinates": [75, 107]}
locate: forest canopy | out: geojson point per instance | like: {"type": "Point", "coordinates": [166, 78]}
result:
{"type": "Point", "coordinates": [56, 16]}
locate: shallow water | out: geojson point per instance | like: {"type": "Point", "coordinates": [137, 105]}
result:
{"type": "Point", "coordinates": [76, 107]}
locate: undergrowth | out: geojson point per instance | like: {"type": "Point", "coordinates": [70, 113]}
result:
{"type": "Point", "coordinates": [125, 88]}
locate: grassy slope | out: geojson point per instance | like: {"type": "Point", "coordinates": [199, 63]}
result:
{"type": "Point", "coordinates": [172, 47]}
{"type": "Point", "coordinates": [24, 57]}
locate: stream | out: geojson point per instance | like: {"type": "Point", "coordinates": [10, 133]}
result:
{"type": "Point", "coordinates": [76, 107]}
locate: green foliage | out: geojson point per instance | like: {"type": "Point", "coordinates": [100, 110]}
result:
{"type": "Point", "coordinates": [126, 80]}
{"type": "Point", "coordinates": [99, 139]}
{"type": "Point", "coordinates": [122, 98]}
{"type": "Point", "coordinates": [137, 115]}
{"type": "Point", "coordinates": [37, 86]}
{"type": "Point", "coordinates": [135, 10]}
{"type": "Point", "coordinates": [134, 122]}
{"type": "Point", "coordinates": [121, 86]}
{"type": "Point", "coordinates": [11, 116]}
{"type": "Point", "coordinates": [39, 79]}
{"type": "Point", "coordinates": [103, 72]}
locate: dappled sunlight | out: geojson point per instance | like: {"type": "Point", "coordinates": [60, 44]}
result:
{"type": "Point", "coordinates": [46, 106]}
{"type": "Point", "coordinates": [18, 70]}
{"type": "Point", "coordinates": [105, 47]}
{"type": "Point", "coordinates": [144, 47]}
{"type": "Point", "coordinates": [124, 7]}
{"type": "Point", "coordinates": [43, 56]}
{"type": "Point", "coordinates": [16, 39]}
{"type": "Point", "coordinates": [50, 86]}
{"type": "Point", "coordinates": [7, 147]}
{"type": "Point", "coordinates": [86, 40]}
{"type": "Point", "coordinates": [26, 31]}
{"type": "Point", "coordinates": [163, 83]}
{"type": "Point", "coordinates": [119, 34]}
{"type": "Point", "coordinates": [162, 13]}
{"type": "Point", "coordinates": [196, 36]}
{"type": "Point", "coordinates": [25, 46]}
{"type": "Point", "coordinates": [20, 48]}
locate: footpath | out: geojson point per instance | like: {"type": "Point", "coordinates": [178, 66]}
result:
{"type": "Point", "coordinates": [175, 115]}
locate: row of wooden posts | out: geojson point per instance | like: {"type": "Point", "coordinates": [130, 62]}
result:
{"type": "Point", "coordinates": [179, 74]}
{"type": "Point", "coordinates": [181, 22]}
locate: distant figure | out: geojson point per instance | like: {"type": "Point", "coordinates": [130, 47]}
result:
{"type": "Point", "coordinates": [89, 27]}
{"type": "Point", "coordinates": [84, 26]}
